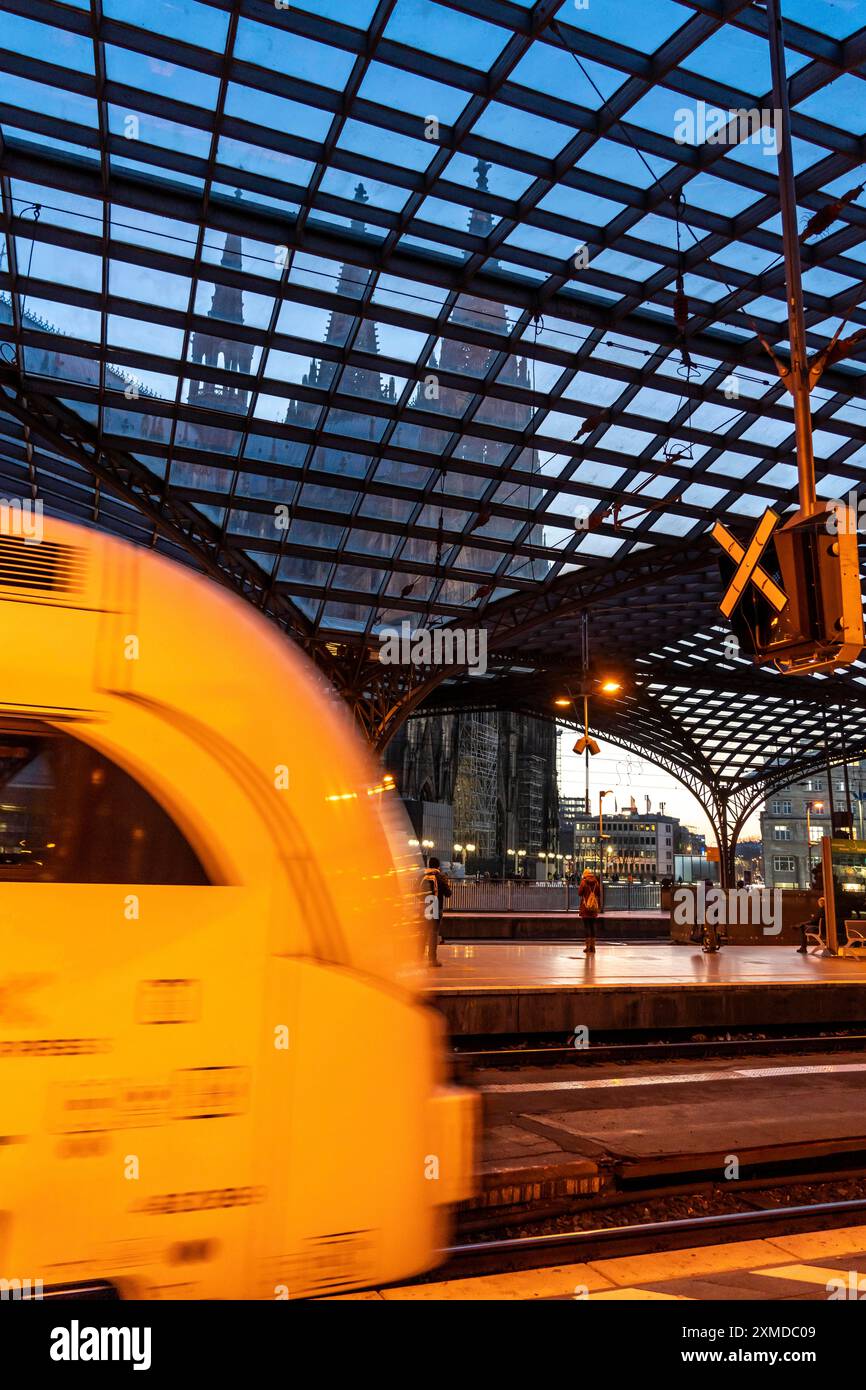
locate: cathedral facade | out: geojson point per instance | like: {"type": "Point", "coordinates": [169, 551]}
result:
{"type": "Point", "coordinates": [486, 779]}
{"type": "Point", "coordinates": [495, 772]}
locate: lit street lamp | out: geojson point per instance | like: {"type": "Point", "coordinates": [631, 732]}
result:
{"type": "Point", "coordinates": [601, 797]}
{"type": "Point", "coordinates": [464, 850]}
{"type": "Point", "coordinates": [810, 807]}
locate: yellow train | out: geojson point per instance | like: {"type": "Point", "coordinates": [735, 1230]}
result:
{"type": "Point", "coordinates": [218, 1078]}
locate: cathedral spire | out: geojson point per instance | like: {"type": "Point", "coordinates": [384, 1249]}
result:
{"type": "Point", "coordinates": [361, 197]}
{"type": "Point", "coordinates": [361, 382]}
{"type": "Point", "coordinates": [228, 301]}
{"type": "Point", "coordinates": [480, 222]}
{"type": "Point", "coordinates": [216, 349]}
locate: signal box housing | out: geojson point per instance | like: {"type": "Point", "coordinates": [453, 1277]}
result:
{"type": "Point", "coordinates": [821, 625]}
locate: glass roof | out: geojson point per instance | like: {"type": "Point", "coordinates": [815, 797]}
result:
{"type": "Point", "coordinates": [387, 292]}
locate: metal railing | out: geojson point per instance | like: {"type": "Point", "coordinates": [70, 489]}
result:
{"type": "Point", "coordinates": [514, 896]}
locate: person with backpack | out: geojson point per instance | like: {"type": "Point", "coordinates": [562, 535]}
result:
{"type": "Point", "coordinates": [435, 889]}
{"type": "Point", "coordinates": [589, 893]}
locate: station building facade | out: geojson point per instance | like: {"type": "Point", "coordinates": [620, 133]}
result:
{"type": "Point", "coordinates": [639, 845]}
{"type": "Point", "coordinates": [789, 853]}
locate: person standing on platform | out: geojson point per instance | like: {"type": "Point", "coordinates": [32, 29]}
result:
{"type": "Point", "coordinates": [436, 890]}
{"type": "Point", "coordinates": [589, 893]}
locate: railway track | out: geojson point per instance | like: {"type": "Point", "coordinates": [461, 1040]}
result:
{"type": "Point", "coordinates": [570, 1247]}
{"type": "Point", "coordinates": [509, 1054]}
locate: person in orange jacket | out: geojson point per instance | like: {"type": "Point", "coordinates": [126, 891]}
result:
{"type": "Point", "coordinates": [589, 893]}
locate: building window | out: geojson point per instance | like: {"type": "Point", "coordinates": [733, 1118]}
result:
{"type": "Point", "coordinates": [814, 785]}
{"type": "Point", "coordinates": [782, 832]}
{"type": "Point", "coordinates": [781, 808]}
{"type": "Point", "coordinates": [784, 864]}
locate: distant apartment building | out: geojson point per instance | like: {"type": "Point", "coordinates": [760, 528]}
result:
{"type": "Point", "coordinates": [632, 844]}
{"type": "Point", "coordinates": [787, 850]}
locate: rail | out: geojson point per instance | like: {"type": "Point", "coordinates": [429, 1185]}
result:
{"type": "Point", "coordinates": [566, 1247]}
{"type": "Point", "coordinates": [514, 896]}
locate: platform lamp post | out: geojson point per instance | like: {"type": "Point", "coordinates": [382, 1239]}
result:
{"type": "Point", "coordinates": [548, 858]}
{"type": "Point", "coordinates": [601, 797]}
{"type": "Point", "coordinates": [810, 807]}
{"type": "Point", "coordinates": [463, 850]}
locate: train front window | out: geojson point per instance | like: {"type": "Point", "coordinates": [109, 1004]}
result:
{"type": "Point", "coordinates": [70, 815]}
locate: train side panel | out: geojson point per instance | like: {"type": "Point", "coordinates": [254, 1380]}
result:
{"type": "Point", "coordinates": [128, 1048]}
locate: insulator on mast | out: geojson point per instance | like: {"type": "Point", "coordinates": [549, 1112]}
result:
{"type": "Point", "coordinates": [681, 305]}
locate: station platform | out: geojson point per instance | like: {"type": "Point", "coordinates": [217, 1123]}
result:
{"type": "Point", "coordinates": [530, 988]}
{"type": "Point", "coordinates": [561, 926]}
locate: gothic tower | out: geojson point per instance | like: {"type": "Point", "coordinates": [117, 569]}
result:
{"type": "Point", "coordinates": [218, 349]}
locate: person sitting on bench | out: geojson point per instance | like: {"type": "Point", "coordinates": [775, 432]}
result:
{"type": "Point", "coordinates": [818, 924]}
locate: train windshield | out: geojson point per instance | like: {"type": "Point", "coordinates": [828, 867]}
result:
{"type": "Point", "coordinates": [70, 815]}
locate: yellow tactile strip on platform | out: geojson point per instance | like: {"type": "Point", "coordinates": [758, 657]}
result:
{"type": "Point", "coordinates": [559, 1281]}
{"type": "Point", "coordinates": [811, 1245]}
{"type": "Point", "coordinates": [800, 1274]}
{"type": "Point", "coordinates": [682, 1264]}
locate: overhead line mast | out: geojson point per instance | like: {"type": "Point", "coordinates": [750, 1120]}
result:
{"type": "Point", "coordinates": [799, 385]}
{"type": "Point", "coordinates": [793, 593]}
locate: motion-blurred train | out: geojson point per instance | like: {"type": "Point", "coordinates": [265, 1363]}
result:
{"type": "Point", "coordinates": [218, 1078]}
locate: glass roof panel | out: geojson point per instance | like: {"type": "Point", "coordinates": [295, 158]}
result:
{"type": "Point", "coordinates": [275, 48]}
{"type": "Point", "coordinates": [438, 29]}
{"type": "Point", "coordinates": [548, 69]}
{"type": "Point", "coordinates": [646, 26]}
{"type": "Point", "coordinates": [35, 40]}
{"type": "Point", "coordinates": [409, 92]}
{"type": "Point", "coordinates": [160, 77]}
{"type": "Point", "coordinates": [361, 248]}
{"type": "Point", "coordinates": [194, 23]}
{"type": "Point", "coordinates": [512, 127]}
